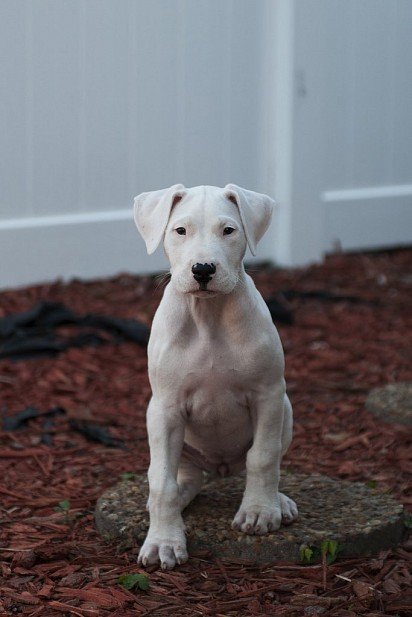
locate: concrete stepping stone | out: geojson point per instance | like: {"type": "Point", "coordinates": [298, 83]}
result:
{"type": "Point", "coordinates": [392, 403]}
{"type": "Point", "coordinates": [360, 519]}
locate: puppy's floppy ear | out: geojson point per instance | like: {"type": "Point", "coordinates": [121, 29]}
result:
{"type": "Point", "coordinates": [152, 212]}
{"type": "Point", "coordinates": [255, 211]}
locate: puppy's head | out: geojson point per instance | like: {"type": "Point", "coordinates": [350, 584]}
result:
{"type": "Point", "coordinates": [205, 231]}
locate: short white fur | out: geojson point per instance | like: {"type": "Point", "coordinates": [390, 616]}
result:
{"type": "Point", "coordinates": [216, 366]}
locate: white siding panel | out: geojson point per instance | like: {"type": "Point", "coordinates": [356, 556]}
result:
{"type": "Point", "coordinates": [248, 79]}
{"type": "Point", "coordinates": [371, 71]}
{"type": "Point", "coordinates": [15, 194]}
{"type": "Point", "coordinates": [368, 96]}
{"type": "Point", "coordinates": [402, 94]}
{"type": "Point", "coordinates": [154, 95]}
{"type": "Point", "coordinates": [103, 66]}
{"type": "Point", "coordinates": [339, 94]}
{"type": "Point", "coordinates": [54, 114]}
{"type": "Point", "coordinates": [207, 81]}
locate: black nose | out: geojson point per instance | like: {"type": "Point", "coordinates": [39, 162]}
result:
{"type": "Point", "coordinates": [202, 273]}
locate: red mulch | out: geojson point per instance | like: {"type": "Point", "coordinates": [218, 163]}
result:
{"type": "Point", "coordinates": [54, 563]}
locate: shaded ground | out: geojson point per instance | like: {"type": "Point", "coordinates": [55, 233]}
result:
{"type": "Point", "coordinates": [55, 563]}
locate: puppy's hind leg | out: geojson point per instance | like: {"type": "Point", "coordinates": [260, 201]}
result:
{"type": "Point", "coordinates": [287, 426]}
{"type": "Point", "coordinates": [287, 505]}
{"type": "Point", "coordinates": [189, 480]}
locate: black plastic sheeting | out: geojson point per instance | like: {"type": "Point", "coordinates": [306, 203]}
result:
{"type": "Point", "coordinates": [92, 432]}
{"type": "Point", "coordinates": [32, 334]}
{"type": "Point", "coordinates": [21, 418]}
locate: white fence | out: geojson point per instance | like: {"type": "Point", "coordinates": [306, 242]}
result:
{"type": "Point", "coordinates": [352, 124]}
{"type": "Point", "coordinates": [103, 99]}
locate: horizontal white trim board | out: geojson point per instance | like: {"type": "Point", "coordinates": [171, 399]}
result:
{"type": "Point", "coordinates": [68, 219]}
{"type": "Point", "coordinates": [368, 192]}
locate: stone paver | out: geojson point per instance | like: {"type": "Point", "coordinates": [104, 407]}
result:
{"type": "Point", "coordinates": [361, 519]}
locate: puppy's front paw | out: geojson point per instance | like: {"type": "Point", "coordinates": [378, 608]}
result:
{"type": "Point", "coordinates": [257, 519]}
{"type": "Point", "coordinates": [169, 550]}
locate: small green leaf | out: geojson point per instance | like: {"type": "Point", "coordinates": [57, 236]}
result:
{"type": "Point", "coordinates": [329, 549]}
{"type": "Point", "coordinates": [133, 581]}
{"type": "Point", "coordinates": [333, 548]}
{"type": "Point", "coordinates": [63, 506]}
{"type": "Point", "coordinates": [371, 484]}
{"type": "Point", "coordinates": [407, 521]}
{"type": "Point", "coordinates": [127, 476]}
{"type": "Point", "coordinates": [305, 553]}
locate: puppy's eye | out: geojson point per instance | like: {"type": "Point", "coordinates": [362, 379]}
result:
{"type": "Point", "coordinates": [228, 230]}
{"type": "Point", "coordinates": [181, 231]}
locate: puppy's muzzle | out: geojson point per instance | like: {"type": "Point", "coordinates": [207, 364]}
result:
{"type": "Point", "coordinates": [202, 273]}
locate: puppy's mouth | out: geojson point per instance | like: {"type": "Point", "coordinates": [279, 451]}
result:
{"type": "Point", "coordinates": [203, 292]}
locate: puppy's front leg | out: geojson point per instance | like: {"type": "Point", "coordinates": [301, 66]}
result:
{"type": "Point", "coordinates": [262, 505]}
{"type": "Point", "coordinates": [165, 541]}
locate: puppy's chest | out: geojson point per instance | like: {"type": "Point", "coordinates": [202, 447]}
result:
{"type": "Point", "coordinates": [206, 373]}
{"type": "Point", "coordinates": [215, 364]}
{"type": "Point", "coordinates": [215, 390]}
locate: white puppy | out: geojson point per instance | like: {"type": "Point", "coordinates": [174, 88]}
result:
{"type": "Point", "coordinates": [215, 365]}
